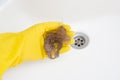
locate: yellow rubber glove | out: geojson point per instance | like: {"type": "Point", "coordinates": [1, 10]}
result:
{"type": "Point", "coordinates": [27, 45]}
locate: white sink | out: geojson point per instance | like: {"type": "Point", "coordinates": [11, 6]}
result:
{"type": "Point", "coordinates": [99, 19]}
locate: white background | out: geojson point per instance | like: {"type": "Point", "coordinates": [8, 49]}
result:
{"type": "Point", "coordinates": [99, 19]}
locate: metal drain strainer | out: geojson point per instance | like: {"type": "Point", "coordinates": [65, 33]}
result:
{"type": "Point", "coordinates": [81, 41]}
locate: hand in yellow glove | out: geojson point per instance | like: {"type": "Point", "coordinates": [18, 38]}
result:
{"type": "Point", "coordinates": [28, 44]}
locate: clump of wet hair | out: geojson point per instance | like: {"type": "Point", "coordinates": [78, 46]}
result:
{"type": "Point", "coordinates": [54, 41]}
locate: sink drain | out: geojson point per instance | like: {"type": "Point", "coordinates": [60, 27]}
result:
{"type": "Point", "coordinates": [81, 41]}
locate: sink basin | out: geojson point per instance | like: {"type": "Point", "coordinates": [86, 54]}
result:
{"type": "Point", "coordinates": [98, 19]}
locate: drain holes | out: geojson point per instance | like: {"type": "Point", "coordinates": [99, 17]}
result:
{"type": "Point", "coordinates": [75, 40]}
{"type": "Point", "coordinates": [81, 41]}
{"type": "Point", "coordinates": [78, 45]}
{"type": "Point", "coordinates": [75, 43]}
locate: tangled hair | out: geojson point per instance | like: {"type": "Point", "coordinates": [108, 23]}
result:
{"type": "Point", "coordinates": [54, 40]}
